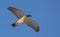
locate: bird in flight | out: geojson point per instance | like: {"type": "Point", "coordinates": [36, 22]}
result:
{"type": "Point", "coordinates": [23, 18]}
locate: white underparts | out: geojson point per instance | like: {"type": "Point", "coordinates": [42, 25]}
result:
{"type": "Point", "coordinates": [21, 20]}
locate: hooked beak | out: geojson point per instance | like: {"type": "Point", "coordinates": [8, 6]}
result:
{"type": "Point", "coordinates": [13, 24]}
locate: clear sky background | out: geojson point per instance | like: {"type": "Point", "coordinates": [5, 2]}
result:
{"type": "Point", "coordinates": [45, 12]}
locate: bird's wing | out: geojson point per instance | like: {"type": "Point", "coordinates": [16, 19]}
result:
{"type": "Point", "coordinates": [19, 13]}
{"type": "Point", "coordinates": [32, 24]}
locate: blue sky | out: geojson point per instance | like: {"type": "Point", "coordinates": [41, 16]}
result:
{"type": "Point", "coordinates": [45, 12]}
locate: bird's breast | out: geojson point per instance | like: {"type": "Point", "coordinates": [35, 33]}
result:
{"type": "Point", "coordinates": [22, 19]}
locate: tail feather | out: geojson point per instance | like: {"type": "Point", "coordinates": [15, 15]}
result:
{"type": "Point", "coordinates": [29, 15]}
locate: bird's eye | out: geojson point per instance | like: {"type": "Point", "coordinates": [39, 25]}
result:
{"type": "Point", "coordinates": [17, 23]}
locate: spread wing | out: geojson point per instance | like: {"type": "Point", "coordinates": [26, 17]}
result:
{"type": "Point", "coordinates": [17, 12]}
{"type": "Point", "coordinates": [32, 24]}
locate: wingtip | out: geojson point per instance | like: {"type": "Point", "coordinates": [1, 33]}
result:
{"type": "Point", "coordinates": [9, 8]}
{"type": "Point", "coordinates": [37, 29]}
